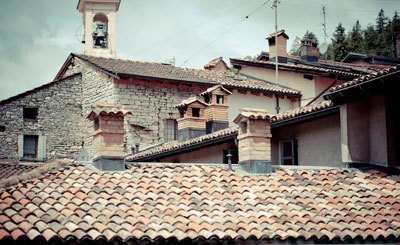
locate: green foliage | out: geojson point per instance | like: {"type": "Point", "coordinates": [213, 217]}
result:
{"type": "Point", "coordinates": [339, 43]}
{"type": "Point", "coordinates": [295, 49]}
{"type": "Point", "coordinates": [310, 35]}
{"type": "Point", "coordinates": [378, 39]}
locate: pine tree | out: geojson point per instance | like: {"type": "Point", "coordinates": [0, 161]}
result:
{"type": "Point", "coordinates": [339, 44]}
{"type": "Point", "coordinates": [355, 38]}
{"type": "Point", "coordinates": [310, 35]}
{"type": "Point", "coordinates": [369, 45]}
{"type": "Point", "coordinates": [381, 21]}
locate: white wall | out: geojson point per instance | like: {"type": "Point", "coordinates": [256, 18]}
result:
{"type": "Point", "coordinates": [239, 100]}
{"type": "Point", "coordinates": [287, 78]}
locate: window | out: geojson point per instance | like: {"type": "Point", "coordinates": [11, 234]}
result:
{"type": "Point", "coordinates": [207, 99]}
{"type": "Point", "coordinates": [2, 128]}
{"type": "Point", "coordinates": [195, 112]}
{"type": "Point", "coordinates": [220, 99]}
{"type": "Point", "coordinates": [234, 157]}
{"type": "Point", "coordinates": [30, 113]}
{"type": "Point", "coordinates": [289, 152]}
{"type": "Point", "coordinates": [170, 130]}
{"type": "Point", "coordinates": [96, 123]}
{"type": "Point", "coordinates": [30, 146]}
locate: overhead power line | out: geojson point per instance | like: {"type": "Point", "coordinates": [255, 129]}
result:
{"type": "Point", "coordinates": [226, 31]}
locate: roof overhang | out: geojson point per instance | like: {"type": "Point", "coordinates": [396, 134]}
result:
{"type": "Point", "coordinates": [372, 86]}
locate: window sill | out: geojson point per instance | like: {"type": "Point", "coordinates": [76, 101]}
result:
{"type": "Point", "coordinates": [31, 159]}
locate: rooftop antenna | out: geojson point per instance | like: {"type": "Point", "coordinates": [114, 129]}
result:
{"type": "Point", "coordinates": [275, 5]}
{"type": "Point", "coordinates": [324, 46]}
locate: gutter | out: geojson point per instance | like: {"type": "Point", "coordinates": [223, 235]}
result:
{"type": "Point", "coordinates": [356, 87]}
{"type": "Point", "coordinates": [306, 117]}
{"type": "Point", "coordinates": [183, 149]}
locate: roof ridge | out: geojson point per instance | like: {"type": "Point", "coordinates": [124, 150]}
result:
{"type": "Point", "coordinates": [35, 173]}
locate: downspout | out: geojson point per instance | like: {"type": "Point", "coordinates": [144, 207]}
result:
{"type": "Point", "coordinates": [277, 105]}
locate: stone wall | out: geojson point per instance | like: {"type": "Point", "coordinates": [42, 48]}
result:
{"type": "Point", "coordinates": [96, 88]}
{"type": "Point", "coordinates": [59, 121]}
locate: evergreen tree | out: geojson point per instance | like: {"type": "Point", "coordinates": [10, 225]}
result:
{"type": "Point", "coordinates": [369, 45]}
{"type": "Point", "coordinates": [355, 38]}
{"type": "Point", "coordinates": [339, 44]}
{"type": "Point", "coordinates": [381, 21]}
{"type": "Point", "coordinates": [295, 49]}
{"type": "Point", "coordinates": [310, 35]}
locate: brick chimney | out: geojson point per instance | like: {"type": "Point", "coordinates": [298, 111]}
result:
{"type": "Point", "coordinates": [282, 46]}
{"type": "Point", "coordinates": [309, 50]}
{"type": "Point", "coordinates": [192, 121]}
{"type": "Point", "coordinates": [108, 137]}
{"type": "Point", "coordinates": [254, 140]}
{"type": "Point", "coordinates": [216, 113]}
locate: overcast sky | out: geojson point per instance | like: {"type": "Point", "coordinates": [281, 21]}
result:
{"type": "Point", "coordinates": [36, 36]}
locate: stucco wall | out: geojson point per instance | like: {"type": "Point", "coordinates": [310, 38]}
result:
{"type": "Point", "coordinates": [212, 154]}
{"type": "Point", "coordinates": [239, 100]}
{"type": "Point", "coordinates": [318, 141]}
{"type": "Point", "coordinates": [286, 78]}
{"type": "Point", "coordinates": [59, 123]}
{"type": "Point", "coordinates": [364, 138]}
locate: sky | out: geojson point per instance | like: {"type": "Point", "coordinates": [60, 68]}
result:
{"type": "Point", "coordinates": [36, 36]}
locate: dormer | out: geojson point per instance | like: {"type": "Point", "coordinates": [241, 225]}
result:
{"type": "Point", "coordinates": [217, 111]}
{"type": "Point", "coordinates": [192, 121]}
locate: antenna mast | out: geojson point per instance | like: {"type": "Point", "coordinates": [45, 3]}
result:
{"type": "Point", "coordinates": [275, 5]}
{"type": "Point", "coordinates": [324, 25]}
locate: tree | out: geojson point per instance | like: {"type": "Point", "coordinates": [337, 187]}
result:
{"type": "Point", "coordinates": [295, 49]}
{"type": "Point", "coordinates": [310, 35]}
{"type": "Point", "coordinates": [355, 38]}
{"type": "Point", "coordinates": [369, 45]}
{"type": "Point", "coordinates": [339, 44]}
{"type": "Point", "coordinates": [381, 21]}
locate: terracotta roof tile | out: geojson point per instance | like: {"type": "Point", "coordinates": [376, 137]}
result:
{"type": "Point", "coordinates": [365, 78]}
{"type": "Point", "coordinates": [168, 72]}
{"type": "Point", "coordinates": [175, 145]}
{"type": "Point", "coordinates": [105, 108]}
{"type": "Point", "coordinates": [212, 63]}
{"type": "Point", "coordinates": [8, 170]}
{"type": "Point", "coordinates": [301, 111]}
{"type": "Point", "coordinates": [205, 202]}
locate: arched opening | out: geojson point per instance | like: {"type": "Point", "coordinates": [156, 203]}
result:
{"type": "Point", "coordinates": [100, 26]}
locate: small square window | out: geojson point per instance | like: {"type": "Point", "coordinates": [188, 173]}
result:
{"type": "Point", "coordinates": [30, 113]}
{"type": "Point", "coordinates": [195, 112]}
{"type": "Point", "coordinates": [220, 99]}
{"type": "Point", "coordinates": [30, 146]}
{"type": "Point", "coordinates": [2, 128]}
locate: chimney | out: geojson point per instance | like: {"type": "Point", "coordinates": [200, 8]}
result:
{"type": "Point", "coordinates": [192, 122]}
{"type": "Point", "coordinates": [282, 44]}
{"type": "Point", "coordinates": [309, 50]}
{"type": "Point", "coordinates": [108, 137]}
{"type": "Point", "coordinates": [254, 140]}
{"type": "Point", "coordinates": [216, 113]}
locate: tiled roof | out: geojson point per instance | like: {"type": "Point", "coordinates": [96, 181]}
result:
{"type": "Point", "coordinates": [252, 113]}
{"type": "Point", "coordinates": [381, 72]}
{"type": "Point", "coordinates": [301, 111]}
{"type": "Point", "coordinates": [201, 203]}
{"type": "Point", "coordinates": [209, 90]}
{"type": "Point", "coordinates": [189, 101]}
{"type": "Point", "coordinates": [175, 145]}
{"type": "Point", "coordinates": [304, 67]}
{"type": "Point", "coordinates": [279, 32]}
{"type": "Point", "coordinates": [7, 170]}
{"type": "Point", "coordinates": [119, 67]}
{"type": "Point", "coordinates": [212, 63]}
{"type": "Point", "coordinates": [106, 108]}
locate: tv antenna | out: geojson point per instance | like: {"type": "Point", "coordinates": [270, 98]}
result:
{"type": "Point", "coordinates": [275, 6]}
{"type": "Point", "coordinates": [324, 46]}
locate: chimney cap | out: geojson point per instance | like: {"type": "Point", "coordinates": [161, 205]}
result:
{"type": "Point", "coordinates": [190, 101]}
{"type": "Point", "coordinates": [279, 33]}
{"type": "Point", "coordinates": [252, 113]}
{"type": "Point", "coordinates": [308, 42]}
{"type": "Point", "coordinates": [211, 89]}
{"type": "Point", "coordinates": [107, 109]}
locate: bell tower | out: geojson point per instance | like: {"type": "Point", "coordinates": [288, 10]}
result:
{"type": "Point", "coordinates": [99, 25]}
